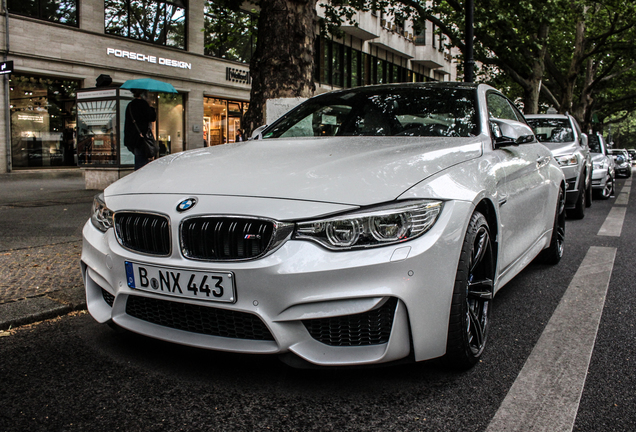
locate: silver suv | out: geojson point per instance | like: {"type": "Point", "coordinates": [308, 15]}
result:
{"type": "Point", "coordinates": [562, 135]}
{"type": "Point", "coordinates": [604, 167]}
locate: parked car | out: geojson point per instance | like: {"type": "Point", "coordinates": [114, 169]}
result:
{"type": "Point", "coordinates": [562, 135]}
{"type": "Point", "coordinates": [623, 162]}
{"type": "Point", "coordinates": [604, 174]}
{"type": "Point", "coordinates": [368, 225]}
{"type": "Point", "coordinates": [632, 156]}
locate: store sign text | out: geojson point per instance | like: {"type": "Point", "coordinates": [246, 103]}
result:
{"type": "Point", "coordinates": [237, 75]}
{"type": "Point", "coordinates": [146, 58]}
{"type": "Point", "coordinates": [32, 118]}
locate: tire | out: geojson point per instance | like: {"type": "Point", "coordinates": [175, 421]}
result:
{"type": "Point", "coordinates": [552, 255]}
{"type": "Point", "coordinates": [578, 212]}
{"type": "Point", "coordinates": [472, 295]}
{"type": "Point", "coordinates": [607, 190]}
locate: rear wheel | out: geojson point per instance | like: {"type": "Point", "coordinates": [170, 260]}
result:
{"type": "Point", "coordinates": [472, 295]}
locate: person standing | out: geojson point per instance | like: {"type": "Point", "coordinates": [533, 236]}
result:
{"type": "Point", "coordinates": [143, 114]}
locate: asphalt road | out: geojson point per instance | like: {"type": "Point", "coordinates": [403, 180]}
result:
{"type": "Point", "coordinates": [72, 374]}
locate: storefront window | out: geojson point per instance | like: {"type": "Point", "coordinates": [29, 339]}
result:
{"type": "Point", "coordinates": [101, 124]}
{"type": "Point", "coordinates": [42, 121]}
{"type": "Point", "coordinates": [59, 11]}
{"type": "Point", "coordinates": [221, 120]}
{"type": "Point", "coordinates": [97, 132]}
{"type": "Point", "coordinates": [159, 22]}
{"type": "Point", "coordinates": [229, 34]}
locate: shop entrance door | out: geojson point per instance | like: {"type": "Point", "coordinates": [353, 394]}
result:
{"type": "Point", "coordinates": [221, 120]}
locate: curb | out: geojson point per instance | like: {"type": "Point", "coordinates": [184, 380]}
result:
{"type": "Point", "coordinates": [31, 310]}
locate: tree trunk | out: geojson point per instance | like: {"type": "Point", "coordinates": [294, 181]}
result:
{"type": "Point", "coordinates": [532, 85]}
{"type": "Point", "coordinates": [285, 51]}
{"type": "Point", "coordinates": [575, 65]}
{"type": "Point", "coordinates": [583, 110]}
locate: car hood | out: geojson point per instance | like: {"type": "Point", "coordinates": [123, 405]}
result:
{"type": "Point", "coordinates": [598, 157]}
{"type": "Point", "coordinates": [345, 170]}
{"type": "Point", "coordinates": [561, 149]}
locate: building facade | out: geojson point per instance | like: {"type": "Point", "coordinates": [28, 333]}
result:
{"type": "Point", "coordinates": [60, 48]}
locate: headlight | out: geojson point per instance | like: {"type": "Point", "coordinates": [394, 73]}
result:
{"type": "Point", "coordinates": [567, 160]}
{"type": "Point", "coordinates": [376, 227]}
{"type": "Point", "coordinates": [600, 165]}
{"type": "Point", "coordinates": [102, 216]}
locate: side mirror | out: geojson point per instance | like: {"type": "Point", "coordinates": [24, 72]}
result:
{"type": "Point", "coordinates": [510, 132]}
{"type": "Point", "coordinates": [620, 159]}
{"type": "Point", "coordinates": [257, 132]}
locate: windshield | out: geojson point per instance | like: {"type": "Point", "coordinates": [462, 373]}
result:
{"type": "Point", "coordinates": [552, 130]}
{"type": "Point", "coordinates": [594, 143]}
{"type": "Point", "coordinates": [415, 111]}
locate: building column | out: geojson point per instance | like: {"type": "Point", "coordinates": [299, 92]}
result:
{"type": "Point", "coordinates": [5, 130]}
{"type": "Point", "coordinates": [195, 24]}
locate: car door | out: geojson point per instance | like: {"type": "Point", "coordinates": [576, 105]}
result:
{"type": "Point", "coordinates": [522, 204]}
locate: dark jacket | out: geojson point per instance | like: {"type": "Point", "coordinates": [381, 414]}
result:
{"type": "Point", "coordinates": [143, 114]}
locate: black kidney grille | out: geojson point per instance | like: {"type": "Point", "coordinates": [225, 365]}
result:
{"type": "Point", "coordinates": [198, 319]}
{"type": "Point", "coordinates": [143, 232]}
{"type": "Point", "coordinates": [225, 239]}
{"type": "Point", "coordinates": [368, 328]}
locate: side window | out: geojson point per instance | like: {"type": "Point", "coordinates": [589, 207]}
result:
{"type": "Point", "coordinates": [499, 107]}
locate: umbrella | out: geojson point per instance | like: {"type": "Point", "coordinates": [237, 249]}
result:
{"type": "Point", "coordinates": [149, 84]}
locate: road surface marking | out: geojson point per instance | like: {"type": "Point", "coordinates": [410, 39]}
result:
{"type": "Point", "coordinates": [613, 224]}
{"type": "Point", "coordinates": [546, 394]}
{"type": "Point", "coordinates": [623, 197]}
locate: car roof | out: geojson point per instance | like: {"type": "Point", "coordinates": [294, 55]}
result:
{"type": "Point", "coordinates": [401, 86]}
{"type": "Point", "coordinates": [556, 116]}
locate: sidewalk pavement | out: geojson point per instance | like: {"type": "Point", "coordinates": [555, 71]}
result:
{"type": "Point", "coordinates": [41, 281]}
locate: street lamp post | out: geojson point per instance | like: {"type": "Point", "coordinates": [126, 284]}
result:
{"type": "Point", "coordinates": [469, 62]}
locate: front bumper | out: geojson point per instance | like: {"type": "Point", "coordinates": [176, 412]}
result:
{"type": "Point", "coordinates": [290, 289]}
{"type": "Point", "coordinates": [574, 183]}
{"type": "Point", "coordinates": [624, 170]}
{"type": "Point", "coordinates": [600, 177]}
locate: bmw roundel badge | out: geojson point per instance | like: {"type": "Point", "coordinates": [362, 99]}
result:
{"type": "Point", "coordinates": [186, 204]}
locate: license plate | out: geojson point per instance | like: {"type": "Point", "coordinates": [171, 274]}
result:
{"type": "Point", "coordinates": [203, 285]}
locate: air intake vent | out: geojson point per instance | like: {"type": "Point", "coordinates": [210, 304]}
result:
{"type": "Point", "coordinates": [108, 297]}
{"type": "Point", "coordinates": [198, 319]}
{"type": "Point", "coordinates": [225, 239]}
{"type": "Point", "coordinates": [143, 232]}
{"type": "Point", "coordinates": [368, 328]}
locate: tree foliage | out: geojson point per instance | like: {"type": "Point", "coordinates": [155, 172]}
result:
{"type": "Point", "coordinates": [575, 55]}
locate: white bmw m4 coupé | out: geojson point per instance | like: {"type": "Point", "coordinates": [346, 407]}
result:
{"type": "Point", "coordinates": [365, 226]}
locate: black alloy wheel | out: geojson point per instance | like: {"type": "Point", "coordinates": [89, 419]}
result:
{"type": "Point", "coordinates": [472, 295]}
{"type": "Point", "coordinates": [553, 254]}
